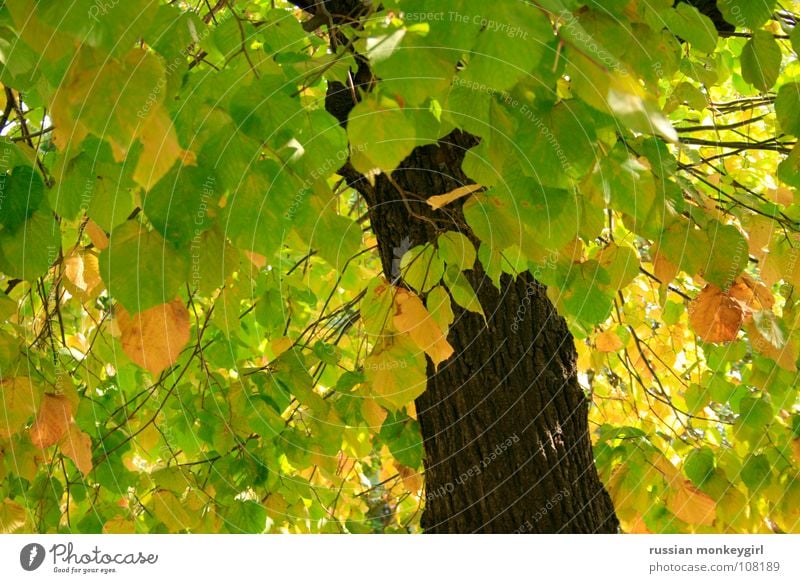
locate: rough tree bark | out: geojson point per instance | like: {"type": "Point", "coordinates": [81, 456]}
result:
{"type": "Point", "coordinates": [504, 420]}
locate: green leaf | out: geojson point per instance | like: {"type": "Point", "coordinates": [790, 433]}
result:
{"type": "Point", "coordinates": [761, 60]}
{"type": "Point", "coordinates": [28, 252]}
{"type": "Point", "coordinates": [747, 13]}
{"type": "Point", "coordinates": [438, 305]}
{"type": "Point", "coordinates": [558, 141]}
{"type": "Point", "coordinates": [141, 269]}
{"type": "Point", "coordinates": [757, 472]}
{"type": "Point", "coordinates": [336, 238]}
{"type": "Point", "coordinates": [252, 217]}
{"type": "Point", "coordinates": [422, 268]}
{"type": "Point", "coordinates": [396, 59]}
{"type": "Point", "coordinates": [728, 254]}
{"type": "Point", "coordinates": [461, 291]}
{"type": "Point", "coordinates": [688, 23]}
{"type": "Point", "coordinates": [181, 206]}
{"type": "Point", "coordinates": [755, 415]}
{"type": "Point", "coordinates": [113, 27]}
{"type": "Point", "coordinates": [512, 40]}
{"type": "Point", "coordinates": [403, 438]}
{"type": "Point", "coordinates": [380, 135]}
{"type": "Point", "coordinates": [586, 295]}
{"type": "Point", "coordinates": [628, 186]}
{"type": "Point", "coordinates": [8, 307]}
{"type": "Point", "coordinates": [23, 193]}
{"type": "Point", "coordinates": [787, 108]}
{"type": "Point", "coordinates": [456, 249]}
{"type": "Point", "coordinates": [622, 264]}
{"type": "Point", "coordinates": [699, 465]}
{"type": "Point", "coordinates": [245, 517]}
{"type": "Point", "coordinates": [213, 261]}
{"type": "Point", "coordinates": [789, 169]}
{"type": "Point", "coordinates": [685, 246]}
{"type": "Point", "coordinates": [376, 307]}
{"type": "Point", "coordinates": [697, 398]}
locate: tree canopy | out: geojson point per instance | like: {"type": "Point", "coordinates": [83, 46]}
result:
{"type": "Point", "coordinates": [196, 330]}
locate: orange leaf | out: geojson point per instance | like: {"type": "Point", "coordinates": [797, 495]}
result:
{"type": "Point", "coordinates": [153, 339]}
{"type": "Point", "coordinates": [664, 269]}
{"type": "Point", "coordinates": [97, 235]}
{"type": "Point", "coordinates": [715, 316]}
{"type": "Point", "coordinates": [52, 422]}
{"type": "Point", "coordinates": [412, 479]}
{"type": "Point", "coordinates": [691, 505]}
{"type": "Point", "coordinates": [412, 317]}
{"type": "Point", "coordinates": [753, 294]}
{"type": "Point", "coordinates": [77, 446]}
{"type": "Point", "coordinates": [608, 341]}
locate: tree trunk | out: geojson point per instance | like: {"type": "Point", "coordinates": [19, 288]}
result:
{"type": "Point", "coordinates": [504, 420]}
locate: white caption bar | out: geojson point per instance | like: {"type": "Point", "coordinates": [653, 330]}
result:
{"type": "Point", "coordinates": [390, 559]}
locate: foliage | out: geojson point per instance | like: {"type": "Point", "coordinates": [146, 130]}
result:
{"type": "Point", "coordinates": [196, 335]}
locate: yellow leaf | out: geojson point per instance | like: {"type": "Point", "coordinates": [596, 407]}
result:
{"type": "Point", "coordinates": [396, 371]}
{"type": "Point", "coordinates": [82, 270]}
{"type": "Point", "coordinates": [77, 446]}
{"type": "Point", "coordinates": [19, 399]}
{"type": "Point", "coordinates": [373, 413]}
{"type": "Point", "coordinates": [715, 316]}
{"type": "Point", "coordinates": [785, 356]}
{"type": "Point", "coordinates": [153, 339]}
{"type": "Point", "coordinates": [161, 149]}
{"type": "Point", "coordinates": [52, 422]}
{"type": "Point", "coordinates": [281, 345]}
{"type": "Point", "coordinates": [276, 507]}
{"type": "Point", "coordinates": [440, 200]}
{"type": "Point", "coordinates": [796, 450]}
{"type": "Point", "coordinates": [691, 505]}
{"type": "Point", "coordinates": [169, 510]}
{"type": "Point", "coordinates": [119, 525]}
{"type": "Point", "coordinates": [12, 516]}
{"type": "Point", "coordinates": [412, 318]}
{"type": "Point", "coordinates": [760, 233]}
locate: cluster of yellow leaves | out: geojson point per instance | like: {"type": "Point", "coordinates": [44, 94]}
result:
{"type": "Point", "coordinates": [396, 367]}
